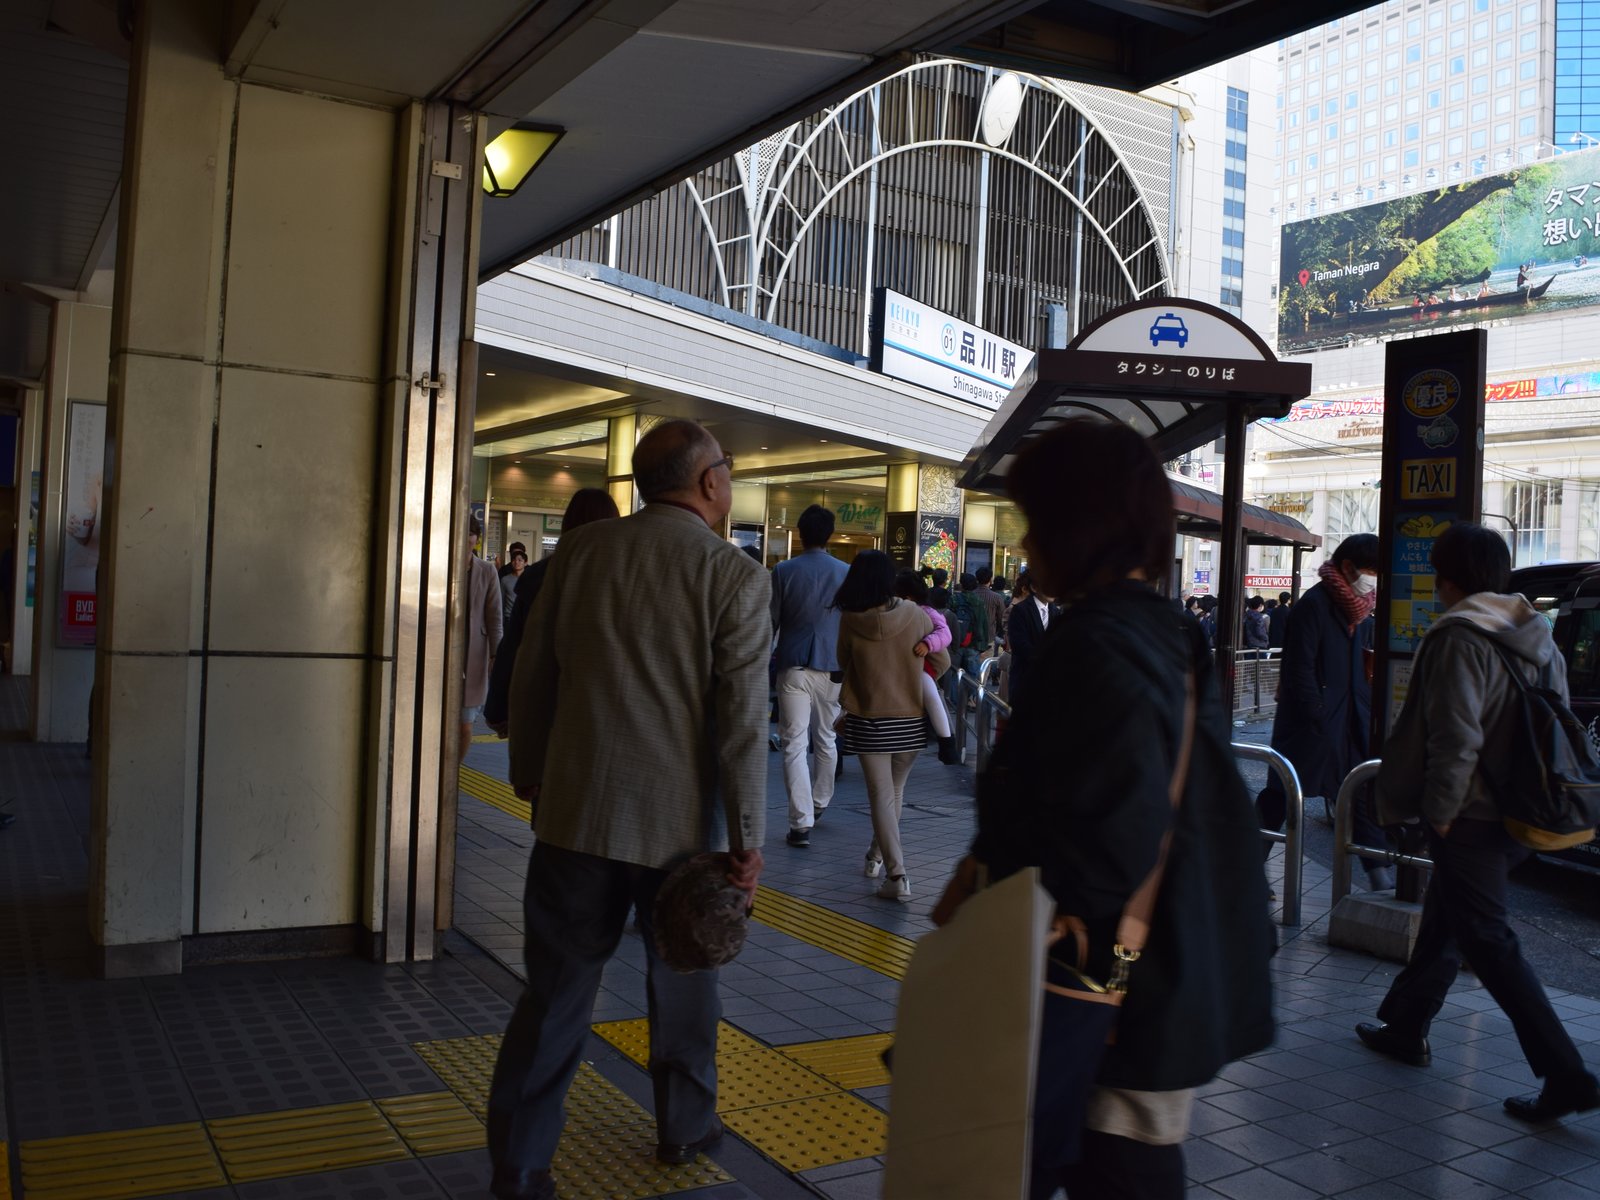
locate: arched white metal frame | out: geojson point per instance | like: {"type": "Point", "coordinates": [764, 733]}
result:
{"type": "Point", "coordinates": [762, 204]}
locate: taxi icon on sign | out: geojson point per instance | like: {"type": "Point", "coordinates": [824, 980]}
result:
{"type": "Point", "coordinates": [1169, 327]}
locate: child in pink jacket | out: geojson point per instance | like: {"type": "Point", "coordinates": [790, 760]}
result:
{"type": "Point", "coordinates": [934, 650]}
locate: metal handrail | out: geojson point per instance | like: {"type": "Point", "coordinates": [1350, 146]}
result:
{"type": "Point", "coordinates": [989, 704]}
{"type": "Point", "coordinates": [1343, 831]}
{"type": "Point", "coordinates": [1294, 823]}
{"type": "Point", "coordinates": [1294, 854]}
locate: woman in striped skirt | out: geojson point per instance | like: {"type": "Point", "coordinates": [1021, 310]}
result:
{"type": "Point", "coordinates": [882, 702]}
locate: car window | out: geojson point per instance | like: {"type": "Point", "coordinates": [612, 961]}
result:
{"type": "Point", "coordinates": [1583, 666]}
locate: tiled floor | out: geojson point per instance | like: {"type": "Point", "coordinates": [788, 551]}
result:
{"type": "Point", "coordinates": [1316, 1115]}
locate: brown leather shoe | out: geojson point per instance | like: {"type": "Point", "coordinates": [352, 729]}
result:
{"type": "Point", "coordinates": [1556, 1101]}
{"type": "Point", "coordinates": [676, 1154]}
{"type": "Point", "coordinates": [522, 1185]}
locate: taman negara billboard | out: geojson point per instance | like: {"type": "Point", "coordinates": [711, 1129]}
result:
{"type": "Point", "coordinates": [1519, 243]}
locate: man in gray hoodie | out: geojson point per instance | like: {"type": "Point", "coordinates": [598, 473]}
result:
{"type": "Point", "coordinates": [1460, 710]}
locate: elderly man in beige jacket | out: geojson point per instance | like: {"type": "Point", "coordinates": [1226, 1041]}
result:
{"type": "Point", "coordinates": [638, 715]}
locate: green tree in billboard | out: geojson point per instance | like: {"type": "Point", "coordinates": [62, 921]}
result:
{"type": "Point", "coordinates": [1491, 247]}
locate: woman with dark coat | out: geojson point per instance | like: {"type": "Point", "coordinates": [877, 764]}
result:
{"type": "Point", "coordinates": [1324, 719]}
{"type": "Point", "coordinates": [586, 505]}
{"type": "Point", "coordinates": [1079, 787]}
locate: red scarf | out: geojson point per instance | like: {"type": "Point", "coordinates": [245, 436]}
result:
{"type": "Point", "coordinates": [1356, 609]}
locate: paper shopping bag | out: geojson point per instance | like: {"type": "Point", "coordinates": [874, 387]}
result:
{"type": "Point", "coordinates": [966, 1043]}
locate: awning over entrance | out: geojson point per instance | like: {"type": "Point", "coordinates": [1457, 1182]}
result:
{"type": "Point", "coordinates": [1180, 372]}
{"type": "Point", "coordinates": [1200, 515]}
{"type": "Point", "coordinates": [1173, 369]}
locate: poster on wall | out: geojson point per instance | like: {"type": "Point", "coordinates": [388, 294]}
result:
{"type": "Point", "coordinates": [900, 539]}
{"type": "Point", "coordinates": [80, 522]}
{"type": "Point", "coordinates": [1496, 246]}
{"type": "Point", "coordinates": [936, 543]}
{"type": "Point", "coordinates": [33, 538]}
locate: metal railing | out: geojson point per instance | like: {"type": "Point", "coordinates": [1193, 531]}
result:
{"type": "Point", "coordinates": [1255, 674]}
{"type": "Point", "coordinates": [1343, 832]}
{"type": "Point", "coordinates": [1294, 824]}
{"type": "Point", "coordinates": [989, 705]}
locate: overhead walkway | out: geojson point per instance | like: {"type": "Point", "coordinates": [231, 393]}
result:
{"type": "Point", "coordinates": [338, 1078]}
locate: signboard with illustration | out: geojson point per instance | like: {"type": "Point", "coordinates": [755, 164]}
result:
{"type": "Point", "coordinates": [936, 543]}
{"type": "Point", "coordinates": [1516, 243]}
{"type": "Point", "coordinates": [1432, 475]}
{"type": "Point", "coordinates": [922, 345]}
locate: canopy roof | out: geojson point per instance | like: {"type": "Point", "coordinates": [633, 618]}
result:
{"type": "Point", "coordinates": [1200, 515]}
{"type": "Point", "coordinates": [1173, 369]}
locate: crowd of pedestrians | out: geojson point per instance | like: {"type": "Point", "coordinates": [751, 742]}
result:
{"type": "Point", "coordinates": [638, 736]}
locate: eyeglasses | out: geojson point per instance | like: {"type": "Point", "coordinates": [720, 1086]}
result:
{"type": "Point", "coordinates": [725, 461]}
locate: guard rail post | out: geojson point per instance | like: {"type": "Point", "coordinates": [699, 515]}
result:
{"type": "Point", "coordinates": [1293, 835]}
{"type": "Point", "coordinates": [989, 706]}
{"type": "Point", "coordinates": [958, 719]}
{"type": "Point", "coordinates": [1343, 826]}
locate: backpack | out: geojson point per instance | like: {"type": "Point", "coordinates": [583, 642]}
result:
{"type": "Point", "coordinates": [959, 617]}
{"type": "Point", "coordinates": [974, 618]}
{"type": "Point", "coordinates": [1547, 785]}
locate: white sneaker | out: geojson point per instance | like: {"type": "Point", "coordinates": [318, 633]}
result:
{"type": "Point", "coordinates": [897, 888]}
{"type": "Point", "coordinates": [874, 865]}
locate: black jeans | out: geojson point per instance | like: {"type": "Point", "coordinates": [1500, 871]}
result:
{"type": "Point", "coordinates": [576, 906]}
{"type": "Point", "coordinates": [1464, 914]}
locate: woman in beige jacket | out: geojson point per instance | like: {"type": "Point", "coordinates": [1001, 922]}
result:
{"type": "Point", "coordinates": [882, 702]}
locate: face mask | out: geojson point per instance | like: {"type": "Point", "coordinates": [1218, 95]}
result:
{"type": "Point", "coordinates": [1365, 585]}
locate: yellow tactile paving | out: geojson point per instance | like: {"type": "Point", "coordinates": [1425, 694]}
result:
{"type": "Point", "coordinates": [608, 1148]}
{"type": "Point", "coordinates": [492, 791]}
{"type": "Point", "coordinates": [466, 1065]}
{"type": "Point", "coordinates": [816, 1122]}
{"type": "Point", "coordinates": [119, 1166]}
{"type": "Point", "coordinates": [434, 1123]}
{"type": "Point", "coordinates": [853, 1062]}
{"type": "Point", "coordinates": [817, 1132]}
{"type": "Point", "coordinates": [479, 738]}
{"type": "Point", "coordinates": [304, 1140]}
{"type": "Point", "coordinates": [633, 1039]}
{"type": "Point", "coordinates": [5, 1173]}
{"type": "Point", "coordinates": [850, 939]}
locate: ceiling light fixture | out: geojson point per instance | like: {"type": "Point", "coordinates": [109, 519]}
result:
{"type": "Point", "coordinates": [490, 374]}
{"type": "Point", "coordinates": [511, 157]}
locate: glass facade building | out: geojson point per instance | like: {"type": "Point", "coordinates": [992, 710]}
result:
{"type": "Point", "coordinates": [1233, 200]}
{"type": "Point", "coordinates": [1577, 108]}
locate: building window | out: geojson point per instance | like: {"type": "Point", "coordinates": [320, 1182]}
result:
{"type": "Point", "coordinates": [1351, 510]}
{"type": "Point", "coordinates": [1534, 508]}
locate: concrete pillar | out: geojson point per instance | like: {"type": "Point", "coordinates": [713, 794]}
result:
{"type": "Point", "coordinates": [284, 468]}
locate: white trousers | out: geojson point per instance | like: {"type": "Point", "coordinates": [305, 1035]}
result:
{"type": "Point", "coordinates": [807, 699]}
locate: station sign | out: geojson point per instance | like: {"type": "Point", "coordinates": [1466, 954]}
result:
{"type": "Point", "coordinates": [918, 344]}
{"type": "Point", "coordinates": [1432, 473]}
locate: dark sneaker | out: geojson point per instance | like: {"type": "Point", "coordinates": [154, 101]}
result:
{"type": "Point", "coordinates": [1556, 1101]}
{"type": "Point", "coordinates": [799, 838]}
{"type": "Point", "coordinates": [1411, 1050]}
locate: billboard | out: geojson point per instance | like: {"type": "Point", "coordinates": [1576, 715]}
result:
{"type": "Point", "coordinates": [1519, 243]}
{"type": "Point", "coordinates": [922, 345]}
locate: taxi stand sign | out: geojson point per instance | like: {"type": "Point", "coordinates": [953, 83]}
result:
{"type": "Point", "coordinates": [1432, 472]}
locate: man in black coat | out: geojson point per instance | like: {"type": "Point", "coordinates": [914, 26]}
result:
{"type": "Point", "coordinates": [1324, 719]}
{"type": "Point", "coordinates": [1026, 624]}
{"type": "Point", "coordinates": [1278, 620]}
